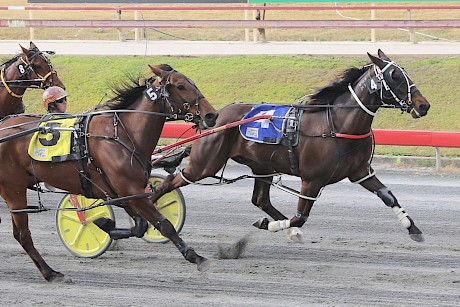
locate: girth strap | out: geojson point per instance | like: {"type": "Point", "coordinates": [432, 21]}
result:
{"type": "Point", "coordinates": [81, 152]}
{"type": "Point", "coordinates": [291, 131]}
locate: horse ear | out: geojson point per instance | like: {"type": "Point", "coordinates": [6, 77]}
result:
{"type": "Point", "coordinates": [377, 61]}
{"type": "Point", "coordinates": [157, 71]}
{"type": "Point", "coordinates": [24, 50]}
{"type": "Point", "coordinates": [383, 56]}
{"type": "Point", "coordinates": [32, 46]}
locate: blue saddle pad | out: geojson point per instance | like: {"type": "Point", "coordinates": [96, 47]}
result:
{"type": "Point", "coordinates": [268, 131]}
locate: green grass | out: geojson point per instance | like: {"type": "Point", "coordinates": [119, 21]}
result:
{"type": "Point", "coordinates": [273, 79]}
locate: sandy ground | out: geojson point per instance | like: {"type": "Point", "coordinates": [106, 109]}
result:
{"type": "Point", "coordinates": [355, 253]}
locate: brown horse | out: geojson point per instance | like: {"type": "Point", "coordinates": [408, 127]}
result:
{"type": "Point", "coordinates": [334, 142]}
{"type": "Point", "coordinates": [116, 142]}
{"type": "Point", "coordinates": [29, 69]}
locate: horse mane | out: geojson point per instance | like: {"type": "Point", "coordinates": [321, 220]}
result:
{"type": "Point", "coordinates": [328, 94]}
{"type": "Point", "coordinates": [7, 63]}
{"type": "Point", "coordinates": [126, 92]}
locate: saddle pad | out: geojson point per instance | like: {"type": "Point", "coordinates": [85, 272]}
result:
{"type": "Point", "coordinates": [55, 144]}
{"type": "Point", "coordinates": [267, 131]}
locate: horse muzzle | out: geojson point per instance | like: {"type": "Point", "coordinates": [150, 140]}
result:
{"type": "Point", "coordinates": [208, 121]}
{"type": "Point", "coordinates": [420, 110]}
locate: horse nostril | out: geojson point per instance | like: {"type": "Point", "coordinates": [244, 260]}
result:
{"type": "Point", "coordinates": [210, 119]}
{"type": "Point", "coordinates": [423, 108]}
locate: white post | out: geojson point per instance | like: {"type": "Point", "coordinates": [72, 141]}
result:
{"type": "Point", "coordinates": [438, 159]}
{"type": "Point", "coordinates": [254, 30]}
{"type": "Point", "coordinates": [31, 30]}
{"type": "Point", "coordinates": [373, 15]}
{"type": "Point", "coordinates": [412, 36]}
{"type": "Point", "coordinates": [137, 32]}
{"type": "Point", "coordinates": [246, 30]}
{"type": "Point", "coordinates": [120, 33]}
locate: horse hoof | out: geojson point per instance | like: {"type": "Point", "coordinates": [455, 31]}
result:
{"type": "Point", "coordinates": [295, 234]}
{"type": "Point", "coordinates": [261, 223]}
{"type": "Point", "coordinates": [55, 277]}
{"type": "Point", "coordinates": [417, 237]}
{"type": "Point", "coordinates": [203, 264]}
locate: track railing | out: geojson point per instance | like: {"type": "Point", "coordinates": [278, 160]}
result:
{"type": "Point", "coordinates": [436, 139]}
{"type": "Point", "coordinates": [247, 23]}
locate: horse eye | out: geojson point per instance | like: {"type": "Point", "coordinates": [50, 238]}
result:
{"type": "Point", "coordinates": [35, 66]}
{"type": "Point", "coordinates": [396, 74]}
{"type": "Point", "coordinates": [181, 87]}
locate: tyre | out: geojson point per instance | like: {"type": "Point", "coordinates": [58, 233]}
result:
{"type": "Point", "coordinates": [76, 229]}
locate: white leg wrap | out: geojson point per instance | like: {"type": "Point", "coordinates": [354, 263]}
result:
{"type": "Point", "coordinates": [275, 226]}
{"type": "Point", "coordinates": [402, 216]}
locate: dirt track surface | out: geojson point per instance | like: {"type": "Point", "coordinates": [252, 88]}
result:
{"type": "Point", "coordinates": [355, 253]}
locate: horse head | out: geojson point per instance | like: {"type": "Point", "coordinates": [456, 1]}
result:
{"type": "Point", "coordinates": [183, 97]}
{"type": "Point", "coordinates": [396, 88]}
{"type": "Point", "coordinates": [34, 64]}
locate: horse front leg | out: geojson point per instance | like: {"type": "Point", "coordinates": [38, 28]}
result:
{"type": "Point", "coordinates": [304, 205]}
{"type": "Point", "coordinates": [147, 210]}
{"type": "Point", "coordinates": [22, 234]}
{"type": "Point", "coordinates": [374, 185]}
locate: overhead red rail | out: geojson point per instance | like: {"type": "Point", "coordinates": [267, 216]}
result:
{"type": "Point", "coordinates": [232, 8]}
{"type": "Point", "coordinates": [381, 136]}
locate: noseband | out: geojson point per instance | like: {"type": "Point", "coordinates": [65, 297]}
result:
{"type": "Point", "coordinates": [163, 93]}
{"type": "Point", "coordinates": [24, 69]}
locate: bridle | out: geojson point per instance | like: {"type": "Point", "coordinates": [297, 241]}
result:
{"type": "Point", "coordinates": [165, 95]}
{"type": "Point", "coordinates": [25, 67]}
{"type": "Point", "coordinates": [384, 83]}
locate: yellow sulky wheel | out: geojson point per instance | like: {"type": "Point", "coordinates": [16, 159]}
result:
{"type": "Point", "coordinates": [77, 230]}
{"type": "Point", "coordinates": [171, 205]}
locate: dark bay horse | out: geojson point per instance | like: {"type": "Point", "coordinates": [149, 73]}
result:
{"type": "Point", "coordinates": [118, 138]}
{"type": "Point", "coordinates": [29, 69]}
{"type": "Point", "coordinates": [334, 142]}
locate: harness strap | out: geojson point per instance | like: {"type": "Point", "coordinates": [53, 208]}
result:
{"type": "Point", "coordinates": [7, 87]}
{"type": "Point", "coordinates": [365, 109]}
{"type": "Point", "coordinates": [183, 177]}
{"type": "Point", "coordinates": [80, 144]}
{"type": "Point", "coordinates": [371, 174]}
{"type": "Point", "coordinates": [353, 136]}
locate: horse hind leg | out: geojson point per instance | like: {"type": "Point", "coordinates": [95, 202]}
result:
{"type": "Point", "coordinates": [375, 186]}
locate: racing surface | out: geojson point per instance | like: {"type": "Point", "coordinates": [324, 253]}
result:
{"type": "Point", "coordinates": [355, 252]}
